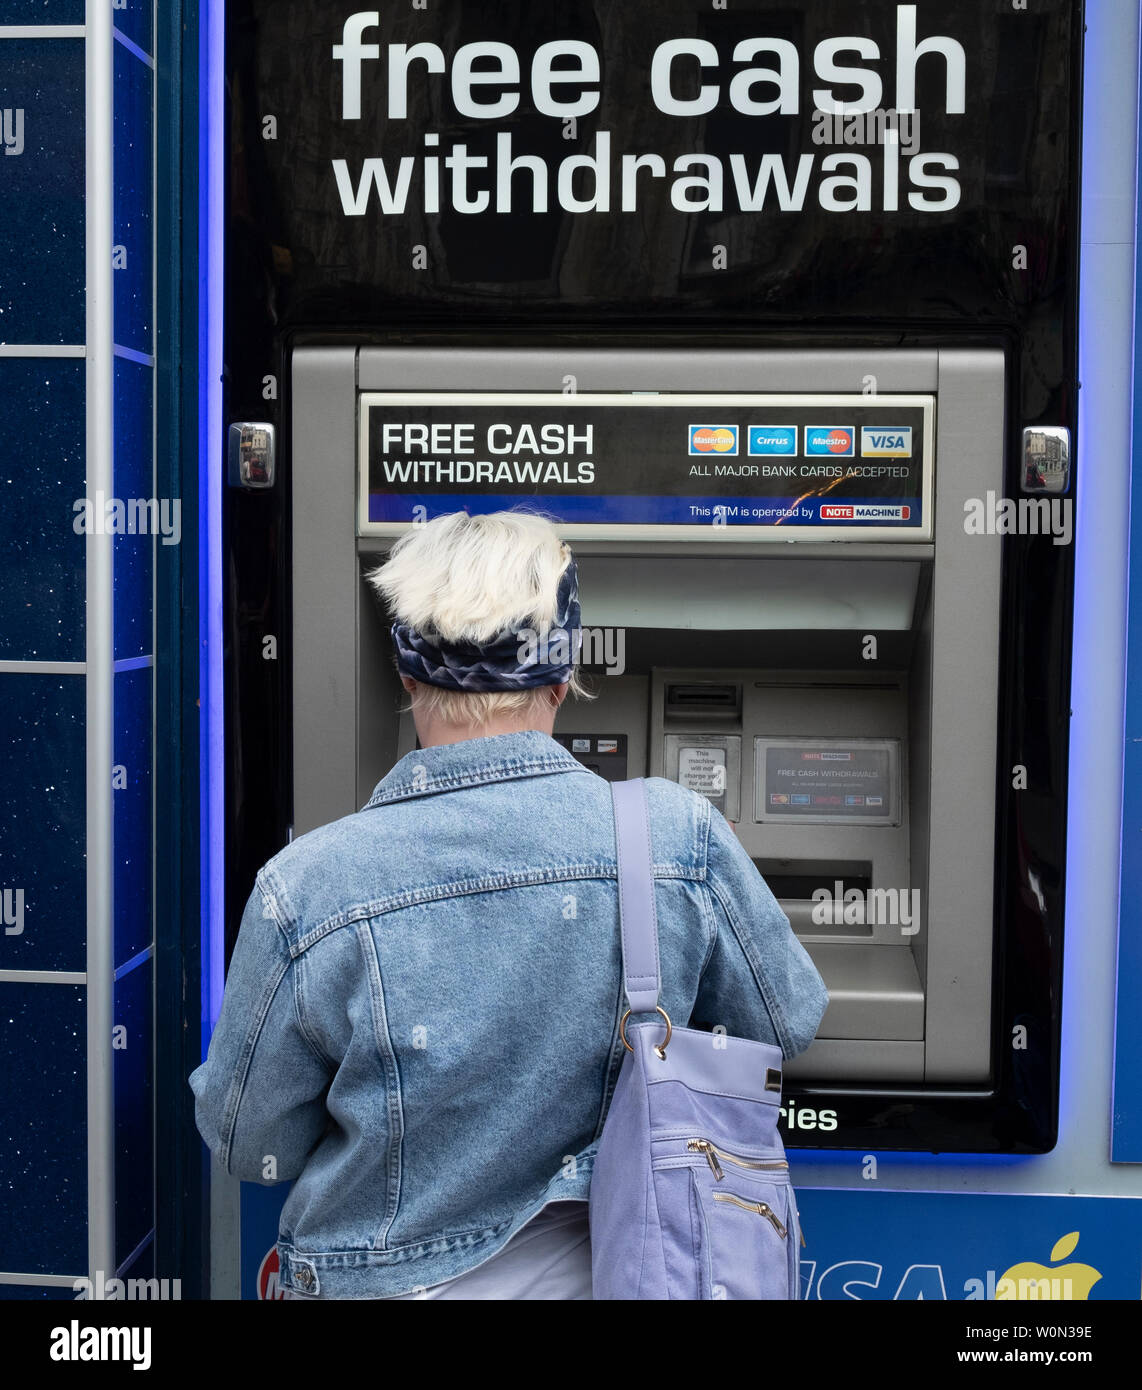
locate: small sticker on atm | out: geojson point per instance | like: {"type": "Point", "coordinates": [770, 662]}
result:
{"type": "Point", "coordinates": [608, 745]}
{"type": "Point", "coordinates": [799, 799]}
{"type": "Point", "coordinates": [854, 801]}
{"type": "Point", "coordinates": [886, 442]}
{"type": "Point", "coordinates": [580, 745]}
{"type": "Point", "coordinates": [779, 799]}
{"type": "Point", "coordinates": [874, 801]}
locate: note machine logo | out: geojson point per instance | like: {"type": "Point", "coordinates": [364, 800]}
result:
{"type": "Point", "coordinates": [865, 511]}
{"type": "Point", "coordinates": [834, 441]}
{"type": "Point", "coordinates": [713, 439]}
{"type": "Point", "coordinates": [886, 441]}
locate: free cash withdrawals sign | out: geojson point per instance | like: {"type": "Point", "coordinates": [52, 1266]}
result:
{"type": "Point", "coordinates": [847, 465]}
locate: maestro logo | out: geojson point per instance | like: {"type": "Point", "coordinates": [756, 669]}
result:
{"type": "Point", "coordinates": [713, 439]}
{"type": "Point", "coordinates": [835, 441]}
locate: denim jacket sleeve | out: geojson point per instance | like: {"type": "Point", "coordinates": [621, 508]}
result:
{"type": "Point", "coordinates": [759, 982]}
{"type": "Point", "coordinates": [260, 1094]}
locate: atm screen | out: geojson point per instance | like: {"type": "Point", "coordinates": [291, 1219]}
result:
{"type": "Point", "coordinates": [827, 781]}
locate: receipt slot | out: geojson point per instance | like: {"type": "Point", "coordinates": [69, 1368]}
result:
{"type": "Point", "coordinates": [810, 639]}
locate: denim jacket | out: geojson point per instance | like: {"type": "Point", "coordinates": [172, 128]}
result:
{"type": "Point", "coordinates": [421, 1018]}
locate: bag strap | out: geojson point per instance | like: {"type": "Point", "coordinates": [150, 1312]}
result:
{"type": "Point", "coordinates": [638, 922]}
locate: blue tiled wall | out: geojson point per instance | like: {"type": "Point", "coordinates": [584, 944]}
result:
{"type": "Point", "coordinates": [43, 1017]}
{"type": "Point", "coordinates": [43, 1129]}
{"type": "Point", "coordinates": [136, 21]}
{"type": "Point", "coordinates": [134, 1138]}
{"type": "Point", "coordinates": [41, 11]}
{"type": "Point", "coordinates": [134, 468]}
{"type": "Point", "coordinates": [133, 212]}
{"type": "Point", "coordinates": [41, 231]}
{"type": "Point", "coordinates": [41, 478]}
{"type": "Point", "coordinates": [42, 824]}
{"type": "Point", "coordinates": [132, 813]}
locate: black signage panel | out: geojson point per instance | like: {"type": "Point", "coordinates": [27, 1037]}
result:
{"type": "Point", "coordinates": [766, 163]}
{"type": "Point", "coordinates": [820, 462]}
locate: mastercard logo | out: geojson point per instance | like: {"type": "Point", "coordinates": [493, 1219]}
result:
{"type": "Point", "coordinates": [713, 439]}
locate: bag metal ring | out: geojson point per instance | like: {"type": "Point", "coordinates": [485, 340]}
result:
{"type": "Point", "coordinates": [660, 1048]}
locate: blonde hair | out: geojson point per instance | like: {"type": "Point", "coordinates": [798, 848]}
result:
{"type": "Point", "coordinates": [468, 579]}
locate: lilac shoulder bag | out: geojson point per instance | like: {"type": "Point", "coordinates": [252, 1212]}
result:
{"type": "Point", "coordinates": [690, 1195]}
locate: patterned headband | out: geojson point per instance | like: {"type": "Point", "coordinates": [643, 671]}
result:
{"type": "Point", "coordinates": [518, 659]}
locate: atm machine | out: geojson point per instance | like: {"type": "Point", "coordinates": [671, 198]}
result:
{"type": "Point", "coordinates": [801, 393]}
{"type": "Point", "coordinates": [810, 638]}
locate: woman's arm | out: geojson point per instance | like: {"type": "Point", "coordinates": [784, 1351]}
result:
{"type": "Point", "coordinates": [759, 982]}
{"type": "Point", "coordinates": [260, 1094]}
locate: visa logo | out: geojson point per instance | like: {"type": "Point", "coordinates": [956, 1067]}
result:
{"type": "Point", "coordinates": [837, 441]}
{"type": "Point", "coordinates": [773, 439]}
{"type": "Point", "coordinates": [878, 441]}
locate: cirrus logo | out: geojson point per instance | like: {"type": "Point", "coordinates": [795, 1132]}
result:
{"type": "Point", "coordinates": [713, 439]}
{"type": "Point", "coordinates": [773, 439]}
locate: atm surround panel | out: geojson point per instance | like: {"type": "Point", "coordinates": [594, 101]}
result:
{"type": "Point", "coordinates": [945, 655]}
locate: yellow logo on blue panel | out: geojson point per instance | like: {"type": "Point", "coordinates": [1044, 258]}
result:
{"type": "Point", "coordinates": [1031, 1280]}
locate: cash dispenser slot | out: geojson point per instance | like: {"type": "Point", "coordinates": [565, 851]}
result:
{"type": "Point", "coordinates": [794, 884]}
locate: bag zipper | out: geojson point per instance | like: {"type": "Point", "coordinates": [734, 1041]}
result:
{"type": "Point", "coordinates": [761, 1209]}
{"type": "Point", "coordinates": [713, 1153]}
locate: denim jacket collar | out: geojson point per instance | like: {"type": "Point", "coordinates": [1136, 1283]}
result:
{"type": "Point", "coordinates": [447, 766]}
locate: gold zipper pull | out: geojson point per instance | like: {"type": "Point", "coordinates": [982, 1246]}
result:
{"type": "Point", "coordinates": [764, 1209]}
{"type": "Point", "coordinates": [704, 1146]}
{"type": "Point", "coordinates": [758, 1208]}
